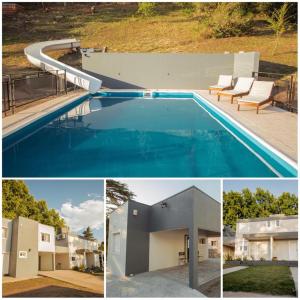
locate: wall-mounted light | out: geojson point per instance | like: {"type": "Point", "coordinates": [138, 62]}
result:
{"type": "Point", "coordinates": [164, 204]}
{"type": "Point", "coordinates": [135, 212]}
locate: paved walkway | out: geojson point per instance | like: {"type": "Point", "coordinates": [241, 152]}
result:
{"type": "Point", "coordinates": [252, 295]}
{"type": "Point", "coordinates": [294, 271]}
{"type": "Point", "coordinates": [273, 124]}
{"type": "Point", "coordinates": [148, 285]}
{"type": "Point", "coordinates": [26, 116]}
{"type": "Point", "coordinates": [77, 278]}
{"type": "Point", "coordinates": [9, 279]}
{"type": "Point", "coordinates": [233, 269]}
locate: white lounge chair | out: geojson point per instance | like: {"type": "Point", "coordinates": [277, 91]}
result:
{"type": "Point", "coordinates": [260, 94]}
{"type": "Point", "coordinates": [241, 88]}
{"type": "Point", "coordinates": [224, 82]}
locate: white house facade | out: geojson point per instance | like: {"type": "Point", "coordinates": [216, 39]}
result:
{"type": "Point", "coordinates": [268, 238]}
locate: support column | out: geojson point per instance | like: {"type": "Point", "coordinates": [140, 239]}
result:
{"type": "Point", "coordinates": [193, 257]}
{"type": "Point", "coordinates": [243, 248]}
{"type": "Point", "coordinates": [271, 247]}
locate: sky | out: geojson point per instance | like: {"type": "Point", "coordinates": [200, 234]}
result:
{"type": "Point", "coordinates": [275, 186]}
{"type": "Point", "coordinates": [79, 202]}
{"type": "Point", "coordinates": [154, 190]}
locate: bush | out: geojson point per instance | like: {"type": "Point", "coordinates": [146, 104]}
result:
{"type": "Point", "coordinates": [75, 268]}
{"type": "Point", "coordinates": [81, 267]}
{"type": "Point", "coordinates": [146, 9]}
{"type": "Point", "coordinates": [226, 20]}
{"type": "Point", "coordinates": [228, 257]}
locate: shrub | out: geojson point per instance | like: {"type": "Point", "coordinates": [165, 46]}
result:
{"type": "Point", "coordinates": [228, 257]}
{"type": "Point", "coordinates": [81, 267]}
{"type": "Point", "coordinates": [75, 268]}
{"type": "Point", "coordinates": [146, 9]}
{"type": "Point", "coordinates": [262, 259]}
{"type": "Point", "coordinates": [227, 20]}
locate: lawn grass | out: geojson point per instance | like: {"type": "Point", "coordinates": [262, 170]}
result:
{"type": "Point", "coordinates": [274, 280]}
{"type": "Point", "coordinates": [119, 28]}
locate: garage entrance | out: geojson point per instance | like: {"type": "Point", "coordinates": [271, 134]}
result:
{"type": "Point", "coordinates": [46, 261]}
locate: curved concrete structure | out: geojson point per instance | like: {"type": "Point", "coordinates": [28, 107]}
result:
{"type": "Point", "coordinates": [36, 56]}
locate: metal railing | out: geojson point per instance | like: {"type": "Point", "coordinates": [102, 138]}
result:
{"type": "Point", "coordinates": [285, 89]}
{"type": "Point", "coordinates": [24, 88]}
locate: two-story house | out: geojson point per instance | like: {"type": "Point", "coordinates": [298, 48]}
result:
{"type": "Point", "coordinates": [268, 238]}
{"type": "Point", "coordinates": [29, 247]}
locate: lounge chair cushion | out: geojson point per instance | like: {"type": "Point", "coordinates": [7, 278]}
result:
{"type": "Point", "coordinates": [260, 91]}
{"type": "Point", "coordinates": [242, 86]}
{"type": "Point", "coordinates": [224, 81]}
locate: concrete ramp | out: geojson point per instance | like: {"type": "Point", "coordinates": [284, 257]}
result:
{"type": "Point", "coordinates": [36, 56]}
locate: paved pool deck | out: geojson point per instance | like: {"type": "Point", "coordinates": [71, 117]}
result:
{"type": "Point", "coordinates": [26, 116]}
{"type": "Point", "coordinates": [274, 125]}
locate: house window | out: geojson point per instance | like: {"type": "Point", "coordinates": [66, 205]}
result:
{"type": "Point", "coordinates": [202, 241]}
{"type": "Point", "coordinates": [213, 243]}
{"type": "Point", "coordinates": [277, 223]}
{"type": "Point", "coordinates": [245, 248]}
{"type": "Point", "coordinates": [117, 242]}
{"type": "Point", "coordinates": [241, 248]}
{"type": "Point", "coordinates": [73, 258]}
{"type": "Point", "coordinates": [268, 223]}
{"type": "Point", "coordinates": [4, 232]}
{"type": "Point", "coordinates": [45, 237]}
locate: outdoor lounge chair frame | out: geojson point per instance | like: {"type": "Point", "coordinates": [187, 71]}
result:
{"type": "Point", "coordinates": [219, 89]}
{"type": "Point", "coordinates": [257, 105]}
{"type": "Point", "coordinates": [231, 96]}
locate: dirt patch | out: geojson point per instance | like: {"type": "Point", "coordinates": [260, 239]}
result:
{"type": "Point", "coordinates": [45, 287]}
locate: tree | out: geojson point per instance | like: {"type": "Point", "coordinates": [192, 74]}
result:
{"type": "Point", "coordinates": [88, 234]}
{"type": "Point", "coordinates": [117, 193]}
{"type": "Point", "coordinates": [17, 201]}
{"type": "Point", "coordinates": [261, 203]}
{"type": "Point", "coordinates": [279, 23]}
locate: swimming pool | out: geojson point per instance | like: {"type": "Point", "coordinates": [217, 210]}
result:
{"type": "Point", "coordinates": [125, 134]}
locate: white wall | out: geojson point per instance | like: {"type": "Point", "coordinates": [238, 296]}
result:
{"type": "Point", "coordinates": [46, 246]}
{"type": "Point", "coordinates": [164, 247]}
{"type": "Point", "coordinates": [116, 260]}
{"type": "Point", "coordinates": [287, 225]}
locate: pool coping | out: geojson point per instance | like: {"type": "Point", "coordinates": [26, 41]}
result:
{"type": "Point", "coordinates": [195, 96]}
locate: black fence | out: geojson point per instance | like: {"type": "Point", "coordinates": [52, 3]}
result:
{"type": "Point", "coordinates": [285, 89]}
{"type": "Point", "coordinates": [24, 88]}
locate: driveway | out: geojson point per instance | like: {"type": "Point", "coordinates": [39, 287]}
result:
{"type": "Point", "coordinates": [88, 281]}
{"type": "Point", "coordinates": [171, 282]}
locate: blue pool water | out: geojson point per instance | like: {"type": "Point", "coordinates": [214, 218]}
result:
{"type": "Point", "coordinates": [131, 137]}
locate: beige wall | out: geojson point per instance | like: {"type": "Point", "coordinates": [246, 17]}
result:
{"type": "Point", "coordinates": [164, 247]}
{"type": "Point", "coordinates": [24, 238]}
{"type": "Point", "coordinates": [228, 251]}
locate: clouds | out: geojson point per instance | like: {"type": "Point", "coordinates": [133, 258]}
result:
{"type": "Point", "coordinates": [87, 213]}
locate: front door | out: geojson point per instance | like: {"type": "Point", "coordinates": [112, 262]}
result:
{"type": "Point", "coordinates": [40, 258]}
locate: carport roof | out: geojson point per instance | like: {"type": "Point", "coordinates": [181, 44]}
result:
{"type": "Point", "coordinates": [277, 236]}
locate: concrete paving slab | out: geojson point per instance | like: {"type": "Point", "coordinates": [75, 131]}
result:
{"type": "Point", "coordinates": [252, 295]}
{"type": "Point", "coordinates": [28, 115]}
{"type": "Point", "coordinates": [170, 282]}
{"type": "Point", "coordinates": [89, 281]}
{"type": "Point", "coordinates": [294, 272]}
{"type": "Point", "coordinates": [276, 126]}
{"type": "Point", "coordinates": [148, 285]}
{"type": "Point", "coordinates": [234, 269]}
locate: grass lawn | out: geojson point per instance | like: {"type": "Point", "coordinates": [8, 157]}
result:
{"type": "Point", "coordinates": [119, 28]}
{"type": "Point", "coordinates": [45, 287]}
{"type": "Point", "coordinates": [275, 280]}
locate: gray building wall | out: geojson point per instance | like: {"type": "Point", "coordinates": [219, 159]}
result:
{"type": "Point", "coordinates": [6, 245]}
{"type": "Point", "coordinates": [118, 222]}
{"type": "Point", "coordinates": [166, 70]}
{"type": "Point", "coordinates": [137, 251]}
{"type": "Point", "coordinates": [24, 238]}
